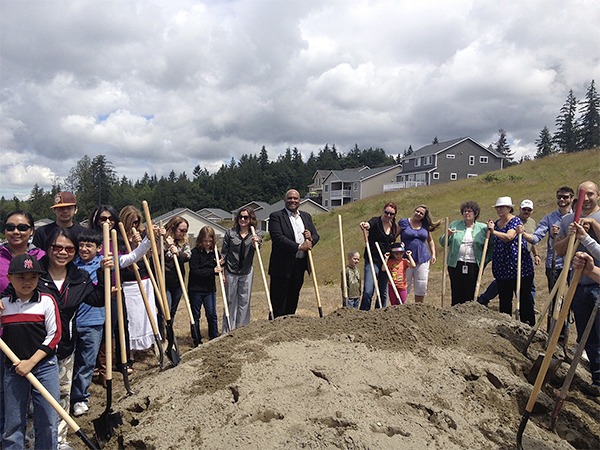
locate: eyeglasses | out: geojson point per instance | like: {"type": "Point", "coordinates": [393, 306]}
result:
{"type": "Point", "coordinates": [563, 197]}
{"type": "Point", "coordinates": [182, 231]}
{"type": "Point", "coordinates": [389, 213]}
{"type": "Point", "coordinates": [136, 222]}
{"type": "Point", "coordinates": [103, 219]}
{"type": "Point", "coordinates": [20, 227]}
{"type": "Point", "coordinates": [528, 210]}
{"type": "Point", "coordinates": [244, 217]}
{"type": "Point", "coordinates": [67, 248]}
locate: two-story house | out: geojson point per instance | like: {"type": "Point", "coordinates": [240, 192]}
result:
{"type": "Point", "coordinates": [446, 161]}
{"type": "Point", "coordinates": [344, 186]}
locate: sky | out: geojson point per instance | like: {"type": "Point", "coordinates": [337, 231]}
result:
{"type": "Point", "coordinates": [168, 85]}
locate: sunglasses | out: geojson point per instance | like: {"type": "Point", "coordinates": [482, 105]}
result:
{"type": "Point", "coordinates": [563, 197]}
{"type": "Point", "coordinates": [136, 222]}
{"type": "Point", "coordinates": [59, 248]}
{"type": "Point", "coordinates": [244, 217]}
{"type": "Point", "coordinates": [20, 227]}
{"type": "Point", "coordinates": [103, 219]}
{"type": "Point", "coordinates": [389, 213]}
{"type": "Point", "coordinates": [526, 210]}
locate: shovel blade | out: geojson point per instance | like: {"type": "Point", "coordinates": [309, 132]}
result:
{"type": "Point", "coordinates": [105, 425]}
{"type": "Point", "coordinates": [195, 336]}
{"type": "Point", "coordinates": [172, 349]}
{"type": "Point", "coordinates": [535, 369]}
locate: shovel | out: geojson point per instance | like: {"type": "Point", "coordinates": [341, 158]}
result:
{"type": "Point", "coordinates": [42, 390]}
{"type": "Point", "coordinates": [344, 281]}
{"type": "Point", "coordinates": [222, 281]}
{"type": "Point", "coordinates": [264, 276]}
{"type": "Point", "coordinates": [195, 336]}
{"type": "Point", "coordinates": [519, 273]}
{"type": "Point", "coordinates": [573, 368]}
{"type": "Point", "coordinates": [104, 426]}
{"type": "Point", "coordinates": [482, 264]}
{"type": "Point", "coordinates": [120, 313]}
{"type": "Point", "coordinates": [445, 267]}
{"type": "Point", "coordinates": [149, 312]}
{"type": "Point", "coordinates": [373, 274]}
{"type": "Point", "coordinates": [172, 349]}
{"type": "Point", "coordinates": [541, 376]}
{"type": "Point", "coordinates": [313, 275]}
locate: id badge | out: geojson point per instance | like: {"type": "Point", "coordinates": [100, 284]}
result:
{"type": "Point", "coordinates": [465, 269]}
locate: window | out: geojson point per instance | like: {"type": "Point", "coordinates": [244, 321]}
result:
{"type": "Point", "coordinates": [418, 162]}
{"type": "Point", "coordinates": [453, 176]}
{"type": "Point", "coordinates": [355, 186]}
{"type": "Point", "coordinates": [326, 203]}
{"type": "Point", "coordinates": [471, 175]}
{"type": "Point", "coordinates": [436, 175]}
{"type": "Point", "coordinates": [471, 160]}
{"type": "Point", "coordinates": [326, 188]}
{"type": "Point", "coordinates": [450, 156]}
{"type": "Point", "coordinates": [428, 160]}
{"type": "Point", "coordinates": [483, 160]}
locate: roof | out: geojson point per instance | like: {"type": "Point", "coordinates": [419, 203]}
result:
{"type": "Point", "coordinates": [214, 212]}
{"type": "Point", "coordinates": [186, 211]}
{"type": "Point", "coordinates": [361, 174]}
{"type": "Point", "coordinates": [263, 214]}
{"type": "Point", "coordinates": [434, 149]}
{"type": "Point", "coordinates": [255, 205]}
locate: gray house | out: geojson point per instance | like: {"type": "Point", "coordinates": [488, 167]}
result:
{"type": "Point", "coordinates": [446, 161]}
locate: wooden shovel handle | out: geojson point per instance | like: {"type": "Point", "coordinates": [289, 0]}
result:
{"type": "Point", "coordinates": [119, 293]}
{"type": "Point", "coordinates": [375, 284]}
{"type": "Point", "coordinates": [344, 281]}
{"type": "Point", "coordinates": [482, 263]}
{"type": "Point", "coordinates": [107, 301]}
{"type": "Point", "coordinates": [262, 272]}
{"type": "Point", "coordinates": [389, 275]}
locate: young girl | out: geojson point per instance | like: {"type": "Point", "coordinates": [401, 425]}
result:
{"type": "Point", "coordinates": [32, 329]}
{"type": "Point", "coordinates": [202, 287]}
{"type": "Point", "coordinates": [397, 266]}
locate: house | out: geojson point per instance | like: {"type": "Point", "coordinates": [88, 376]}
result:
{"type": "Point", "coordinates": [255, 205]}
{"type": "Point", "coordinates": [344, 186]}
{"type": "Point", "coordinates": [308, 205]}
{"type": "Point", "coordinates": [214, 214]}
{"type": "Point", "coordinates": [195, 220]}
{"type": "Point", "coordinates": [315, 189]}
{"type": "Point", "coordinates": [446, 161]}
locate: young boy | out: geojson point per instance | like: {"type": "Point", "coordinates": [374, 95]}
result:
{"type": "Point", "coordinates": [31, 328]}
{"type": "Point", "coordinates": [89, 325]}
{"type": "Point", "coordinates": [397, 266]}
{"type": "Point", "coordinates": [353, 281]}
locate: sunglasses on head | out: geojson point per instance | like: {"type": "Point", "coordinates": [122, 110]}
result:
{"type": "Point", "coordinates": [20, 227]}
{"type": "Point", "coordinates": [67, 248]}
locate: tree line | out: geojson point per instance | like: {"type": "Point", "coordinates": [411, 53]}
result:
{"type": "Point", "coordinates": [255, 177]}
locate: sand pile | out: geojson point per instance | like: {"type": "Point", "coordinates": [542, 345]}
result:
{"type": "Point", "coordinates": [404, 377]}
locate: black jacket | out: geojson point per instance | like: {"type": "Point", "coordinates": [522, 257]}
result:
{"type": "Point", "coordinates": [283, 252]}
{"type": "Point", "coordinates": [77, 288]}
{"type": "Point", "coordinates": [202, 271]}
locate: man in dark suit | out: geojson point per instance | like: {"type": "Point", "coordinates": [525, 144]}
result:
{"type": "Point", "coordinates": [293, 234]}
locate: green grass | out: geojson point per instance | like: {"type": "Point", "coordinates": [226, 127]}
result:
{"type": "Point", "coordinates": [536, 180]}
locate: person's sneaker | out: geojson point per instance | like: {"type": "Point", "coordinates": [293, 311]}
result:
{"type": "Point", "coordinates": [64, 446]}
{"type": "Point", "coordinates": [584, 357]}
{"type": "Point", "coordinates": [80, 408]}
{"type": "Point", "coordinates": [591, 390]}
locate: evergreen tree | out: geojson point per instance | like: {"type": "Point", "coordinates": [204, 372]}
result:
{"type": "Point", "coordinates": [544, 144]}
{"type": "Point", "coordinates": [409, 151]}
{"type": "Point", "coordinates": [502, 146]}
{"type": "Point", "coordinates": [435, 141]}
{"type": "Point", "coordinates": [565, 137]}
{"type": "Point", "coordinates": [589, 125]}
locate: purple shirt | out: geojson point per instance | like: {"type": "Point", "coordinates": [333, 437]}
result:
{"type": "Point", "coordinates": [415, 241]}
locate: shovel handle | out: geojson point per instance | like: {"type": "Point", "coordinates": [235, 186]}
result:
{"type": "Point", "coordinates": [107, 302]}
{"type": "Point", "coordinates": [344, 281]}
{"type": "Point", "coordinates": [313, 275]}
{"type": "Point", "coordinates": [389, 275]}
{"type": "Point", "coordinates": [262, 273]}
{"type": "Point", "coordinates": [222, 282]}
{"type": "Point", "coordinates": [369, 254]}
{"type": "Point", "coordinates": [482, 264]}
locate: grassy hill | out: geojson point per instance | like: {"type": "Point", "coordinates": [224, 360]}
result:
{"type": "Point", "coordinates": [536, 180]}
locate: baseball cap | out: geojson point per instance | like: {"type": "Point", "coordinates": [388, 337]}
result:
{"type": "Point", "coordinates": [24, 264]}
{"type": "Point", "coordinates": [64, 199]}
{"type": "Point", "coordinates": [527, 204]}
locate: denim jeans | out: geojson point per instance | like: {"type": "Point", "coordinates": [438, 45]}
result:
{"type": "Point", "coordinates": [352, 303]}
{"type": "Point", "coordinates": [173, 297]}
{"type": "Point", "coordinates": [17, 391]}
{"type": "Point", "coordinates": [209, 300]}
{"type": "Point", "coordinates": [369, 289]}
{"type": "Point", "coordinates": [585, 297]}
{"type": "Point", "coordinates": [87, 345]}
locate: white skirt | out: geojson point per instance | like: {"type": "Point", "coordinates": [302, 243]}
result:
{"type": "Point", "coordinates": [141, 336]}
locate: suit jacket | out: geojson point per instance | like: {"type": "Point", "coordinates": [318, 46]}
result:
{"type": "Point", "coordinates": [285, 247]}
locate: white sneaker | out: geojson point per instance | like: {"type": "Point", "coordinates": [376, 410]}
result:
{"type": "Point", "coordinates": [584, 357]}
{"type": "Point", "coordinates": [80, 408]}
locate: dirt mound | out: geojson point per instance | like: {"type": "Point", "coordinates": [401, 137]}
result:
{"type": "Point", "coordinates": [404, 377]}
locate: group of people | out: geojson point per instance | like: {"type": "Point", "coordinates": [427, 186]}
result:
{"type": "Point", "coordinates": [509, 243]}
{"type": "Point", "coordinates": [52, 303]}
{"type": "Point", "coordinates": [52, 282]}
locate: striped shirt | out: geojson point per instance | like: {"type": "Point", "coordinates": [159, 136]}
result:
{"type": "Point", "coordinates": [32, 325]}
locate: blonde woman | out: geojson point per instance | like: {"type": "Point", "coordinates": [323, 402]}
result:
{"type": "Point", "coordinates": [177, 246]}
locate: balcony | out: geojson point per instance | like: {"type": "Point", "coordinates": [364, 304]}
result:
{"type": "Point", "coordinates": [402, 185]}
{"type": "Point", "coordinates": [341, 194]}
